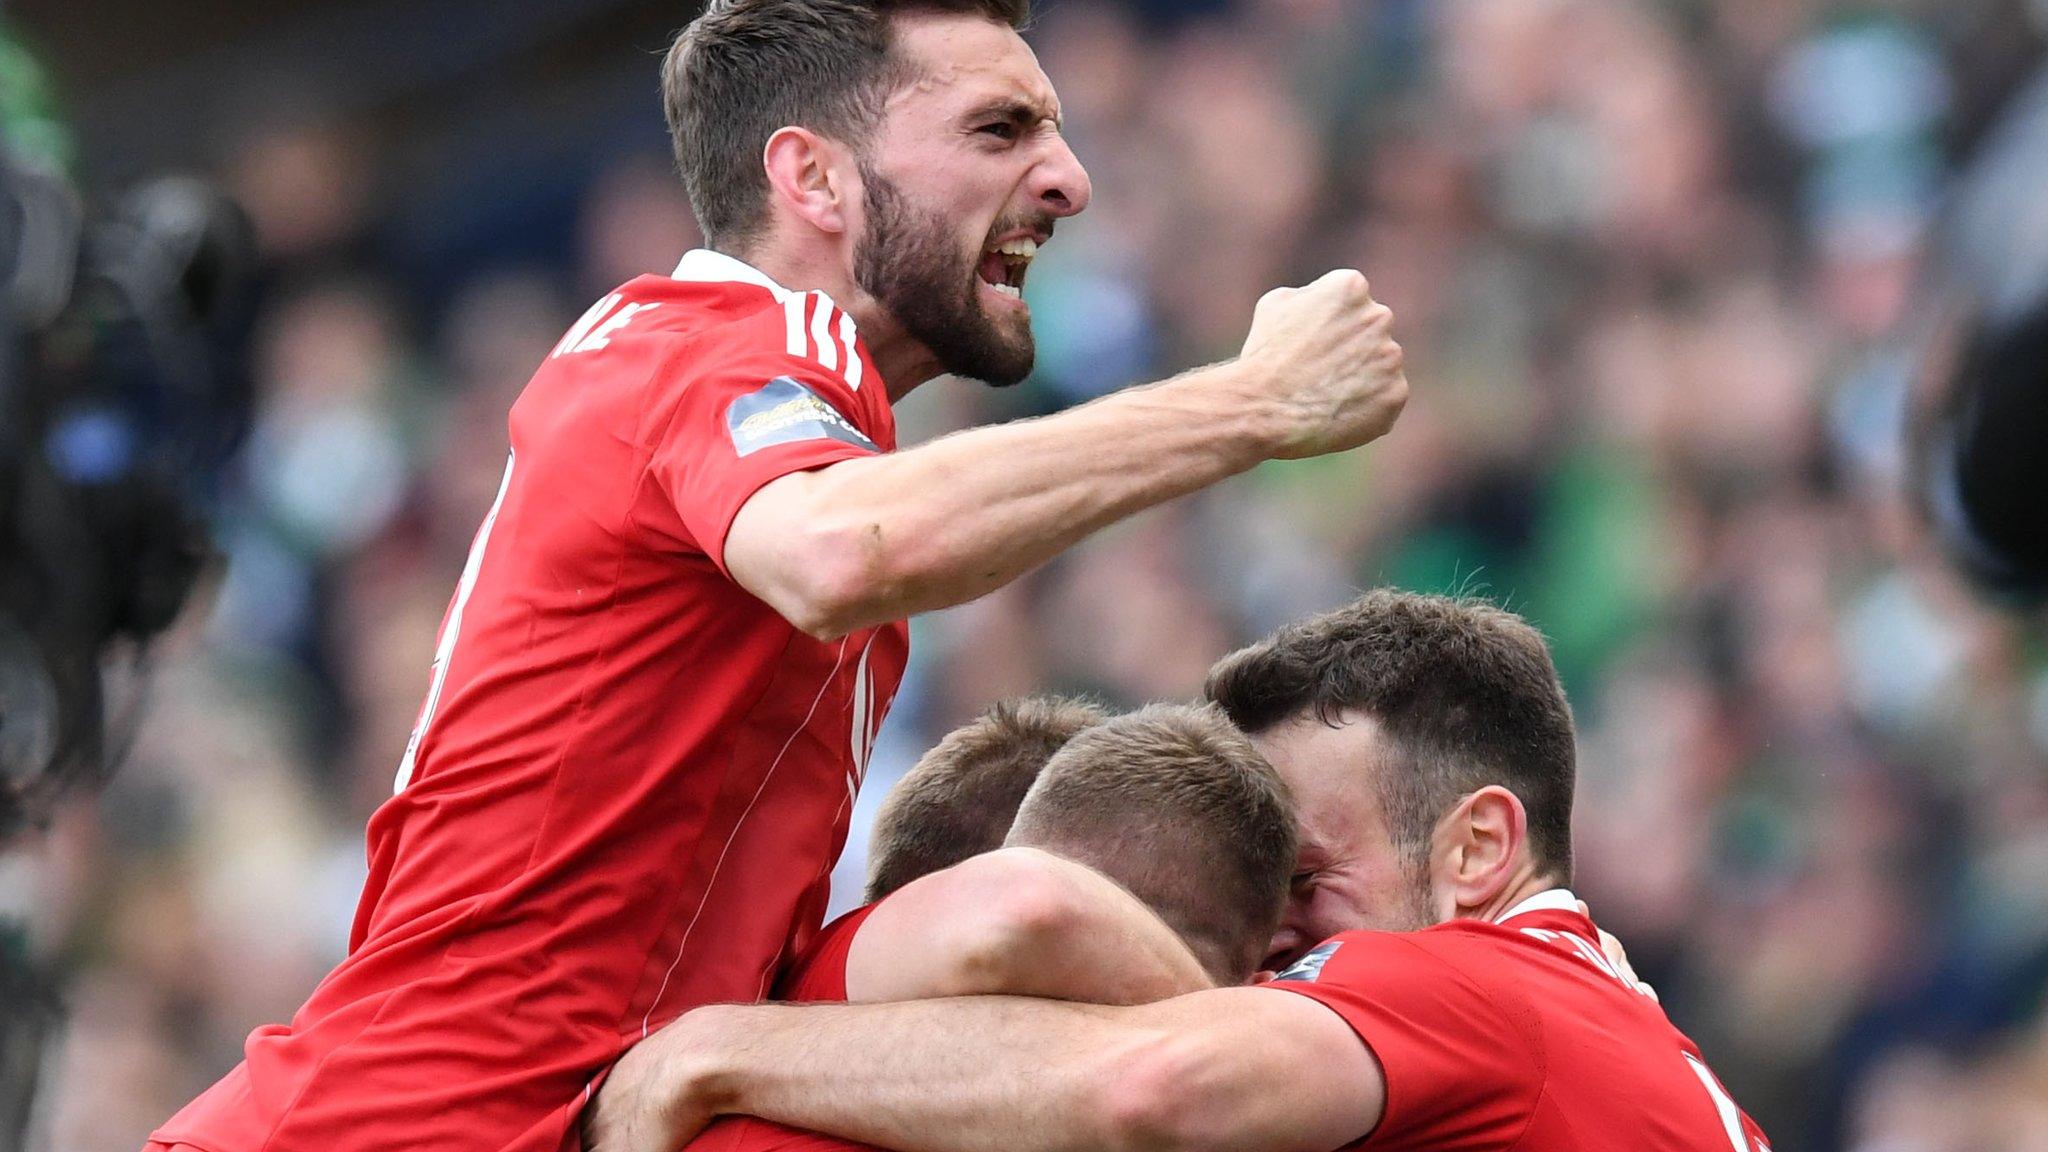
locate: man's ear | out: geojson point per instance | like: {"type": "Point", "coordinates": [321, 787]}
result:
{"type": "Point", "coordinates": [806, 176]}
{"type": "Point", "coordinates": [1479, 847]}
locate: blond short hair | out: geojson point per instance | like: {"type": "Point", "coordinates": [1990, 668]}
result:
{"type": "Point", "coordinates": [1175, 804]}
{"type": "Point", "coordinates": [958, 800]}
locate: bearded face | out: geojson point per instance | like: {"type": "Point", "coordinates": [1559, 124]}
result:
{"type": "Point", "coordinates": [909, 259]}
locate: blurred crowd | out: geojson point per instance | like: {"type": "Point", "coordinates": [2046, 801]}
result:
{"type": "Point", "coordinates": [1645, 259]}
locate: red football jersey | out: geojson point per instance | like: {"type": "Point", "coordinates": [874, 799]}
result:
{"type": "Point", "coordinates": [630, 778]}
{"type": "Point", "coordinates": [1519, 1034]}
{"type": "Point", "coordinates": [819, 977]}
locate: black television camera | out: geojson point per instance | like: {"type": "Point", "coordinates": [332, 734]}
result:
{"type": "Point", "coordinates": [1980, 431]}
{"type": "Point", "coordinates": [121, 394]}
{"type": "Point", "coordinates": [119, 399]}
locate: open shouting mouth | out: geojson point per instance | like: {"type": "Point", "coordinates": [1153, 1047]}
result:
{"type": "Point", "coordinates": [1003, 266]}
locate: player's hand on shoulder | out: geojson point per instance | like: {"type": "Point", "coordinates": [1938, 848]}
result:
{"type": "Point", "coordinates": [1323, 357]}
{"type": "Point", "coordinates": [645, 1105]}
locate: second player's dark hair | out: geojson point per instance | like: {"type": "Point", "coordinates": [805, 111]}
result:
{"type": "Point", "coordinates": [1465, 692]}
{"type": "Point", "coordinates": [747, 68]}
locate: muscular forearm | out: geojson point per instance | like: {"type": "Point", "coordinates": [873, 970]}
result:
{"type": "Point", "coordinates": [877, 538]}
{"type": "Point", "coordinates": [1210, 1072]}
{"type": "Point", "coordinates": [912, 1077]}
{"type": "Point", "coordinates": [945, 522]}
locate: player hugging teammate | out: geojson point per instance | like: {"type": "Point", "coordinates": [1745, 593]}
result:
{"type": "Point", "coordinates": [1440, 986]}
{"type": "Point", "coordinates": [682, 623]}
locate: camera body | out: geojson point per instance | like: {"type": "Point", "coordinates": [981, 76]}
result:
{"type": "Point", "coordinates": [120, 397]}
{"type": "Point", "coordinates": [1979, 432]}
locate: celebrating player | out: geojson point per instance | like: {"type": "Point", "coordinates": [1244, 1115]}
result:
{"type": "Point", "coordinates": [1430, 750]}
{"type": "Point", "coordinates": [1153, 856]}
{"type": "Point", "coordinates": [681, 623]}
{"type": "Point", "coordinates": [950, 911]}
{"type": "Point", "coordinates": [960, 798]}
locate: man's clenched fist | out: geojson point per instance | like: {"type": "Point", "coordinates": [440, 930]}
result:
{"type": "Point", "coordinates": [1323, 361]}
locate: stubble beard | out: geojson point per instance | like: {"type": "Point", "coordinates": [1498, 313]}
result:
{"type": "Point", "coordinates": [1411, 909]}
{"type": "Point", "coordinates": [1419, 893]}
{"type": "Point", "coordinates": [904, 260]}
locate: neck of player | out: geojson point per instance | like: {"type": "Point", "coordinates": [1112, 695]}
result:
{"type": "Point", "coordinates": [903, 361]}
{"type": "Point", "coordinates": [1524, 882]}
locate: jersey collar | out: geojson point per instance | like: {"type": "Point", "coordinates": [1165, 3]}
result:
{"type": "Point", "coordinates": [1548, 900]}
{"type": "Point", "coordinates": [702, 266]}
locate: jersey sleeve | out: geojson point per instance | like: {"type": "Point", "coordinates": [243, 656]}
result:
{"type": "Point", "coordinates": [819, 975]}
{"type": "Point", "coordinates": [751, 415]}
{"type": "Point", "coordinates": [1460, 1070]}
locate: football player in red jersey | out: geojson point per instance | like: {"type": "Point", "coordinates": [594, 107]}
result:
{"type": "Point", "coordinates": [958, 913]}
{"type": "Point", "coordinates": [1461, 999]}
{"type": "Point", "coordinates": [1154, 854]}
{"type": "Point", "coordinates": [961, 796]}
{"type": "Point", "coordinates": [681, 622]}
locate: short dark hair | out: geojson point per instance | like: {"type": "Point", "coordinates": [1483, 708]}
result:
{"type": "Point", "coordinates": [1465, 692]}
{"type": "Point", "coordinates": [958, 800]}
{"type": "Point", "coordinates": [1176, 805]}
{"type": "Point", "coordinates": [747, 68]}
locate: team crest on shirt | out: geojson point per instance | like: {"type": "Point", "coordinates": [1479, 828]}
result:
{"type": "Point", "coordinates": [1309, 967]}
{"type": "Point", "coordinates": [785, 411]}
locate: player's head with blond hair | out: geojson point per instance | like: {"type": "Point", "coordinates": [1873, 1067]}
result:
{"type": "Point", "coordinates": [912, 143]}
{"type": "Point", "coordinates": [1450, 714]}
{"type": "Point", "coordinates": [960, 797]}
{"type": "Point", "coordinates": [1175, 804]}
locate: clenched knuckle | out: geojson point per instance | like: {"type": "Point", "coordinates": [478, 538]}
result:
{"type": "Point", "coordinates": [1349, 281]}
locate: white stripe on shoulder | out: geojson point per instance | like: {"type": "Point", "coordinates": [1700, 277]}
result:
{"type": "Point", "coordinates": [847, 340]}
{"type": "Point", "coordinates": [793, 324]}
{"type": "Point", "coordinates": [821, 331]}
{"type": "Point", "coordinates": [585, 323]}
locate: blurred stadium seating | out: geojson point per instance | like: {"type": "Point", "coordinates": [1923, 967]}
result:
{"type": "Point", "coordinates": [1644, 258]}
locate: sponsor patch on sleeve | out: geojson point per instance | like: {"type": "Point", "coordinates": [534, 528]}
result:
{"type": "Point", "coordinates": [1309, 967]}
{"type": "Point", "coordinates": [785, 411]}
